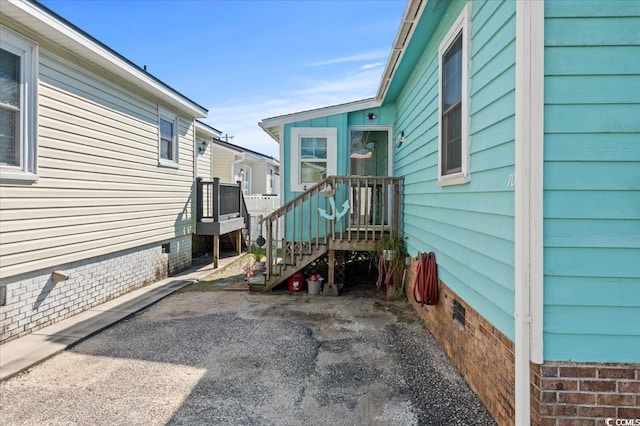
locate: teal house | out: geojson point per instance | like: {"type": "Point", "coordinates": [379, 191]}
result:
{"type": "Point", "coordinates": [505, 138]}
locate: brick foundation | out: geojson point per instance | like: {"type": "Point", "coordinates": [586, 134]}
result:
{"type": "Point", "coordinates": [585, 394]}
{"type": "Point", "coordinates": [34, 301]}
{"type": "Point", "coordinates": [562, 393]}
{"type": "Point", "coordinates": [480, 352]}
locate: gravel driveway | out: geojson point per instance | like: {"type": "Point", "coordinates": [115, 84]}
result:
{"type": "Point", "coordinates": [230, 358]}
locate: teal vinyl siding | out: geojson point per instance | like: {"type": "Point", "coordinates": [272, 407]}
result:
{"type": "Point", "coordinates": [470, 227]}
{"type": "Point", "coordinates": [306, 223]}
{"type": "Point", "coordinates": [385, 116]}
{"type": "Point", "coordinates": [592, 181]}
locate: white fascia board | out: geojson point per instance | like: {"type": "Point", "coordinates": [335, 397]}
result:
{"type": "Point", "coordinates": [411, 17]}
{"type": "Point", "coordinates": [274, 122]}
{"type": "Point", "coordinates": [253, 157]}
{"type": "Point", "coordinates": [274, 132]}
{"type": "Point", "coordinates": [38, 20]}
{"type": "Point", "coordinates": [206, 130]}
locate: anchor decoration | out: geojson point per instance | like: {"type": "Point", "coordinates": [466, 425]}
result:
{"type": "Point", "coordinates": [335, 215]}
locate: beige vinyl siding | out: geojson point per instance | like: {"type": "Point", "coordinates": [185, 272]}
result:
{"type": "Point", "coordinates": [223, 163]}
{"type": "Point", "coordinates": [204, 159]}
{"type": "Point", "coordinates": [260, 176]}
{"type": "Point", "coordinates": [100, 188]}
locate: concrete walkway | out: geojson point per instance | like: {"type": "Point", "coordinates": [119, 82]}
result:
{"type": "Point", "coordinates": [22, 353]}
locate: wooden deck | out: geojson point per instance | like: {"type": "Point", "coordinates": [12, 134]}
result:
{"type": "Point", "coordinates": [341, 213]}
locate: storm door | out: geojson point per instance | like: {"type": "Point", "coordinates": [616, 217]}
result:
{"type": "Point", "coordinates": [369, 157]}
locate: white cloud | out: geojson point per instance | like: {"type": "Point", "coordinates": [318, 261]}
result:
{"type": "Point", "coordinates": [358, 57]}
{"type": "Point", "coordinates": [371, 66]}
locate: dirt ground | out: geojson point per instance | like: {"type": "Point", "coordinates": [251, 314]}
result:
{"type": "Point", "coordinates": [207, 356]}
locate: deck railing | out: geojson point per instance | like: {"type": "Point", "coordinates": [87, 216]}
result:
{"type": "Point", "coordinates": [218, 201]}
{"type": "Point", "coordinates": [341, 212]}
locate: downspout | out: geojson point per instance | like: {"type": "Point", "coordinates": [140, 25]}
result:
{"type": "Point", "coordinates": [194, 191]}
{"type": "Point", "coordinates": [529, 162]}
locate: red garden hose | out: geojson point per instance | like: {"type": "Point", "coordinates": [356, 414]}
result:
{"type": "Point", "coordinates": [425, 289]}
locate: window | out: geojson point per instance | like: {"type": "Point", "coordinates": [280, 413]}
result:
{"type": "Point", "coordinates": [18, 106]}
{"type": "Point", "coordinates": [168, 138]}
{"type": "Point", "coordinates": [314, 155]}
{"type": "Point", "coordinates": [453, 160]}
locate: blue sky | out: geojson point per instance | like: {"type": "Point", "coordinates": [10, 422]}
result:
{"type": "Point", "coordinates": [247, 60]}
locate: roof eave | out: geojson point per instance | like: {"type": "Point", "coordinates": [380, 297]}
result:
{"type": "Point", "coordinates": [412, 15]}
{"type": "Point", "coordinates": [209, 131]}
{"type": "Point", "coordinates": [52, 26]}
{"type": "Point", "coordinates": [272, 125]}
{"type": "Point", "coordinates": [274, 132]}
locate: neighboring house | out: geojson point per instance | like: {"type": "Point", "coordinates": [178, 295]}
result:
{"type": "Point", "coordinates": [259, 173]}
{"type": "Point", "coordinates": [516, 129]}
{"type": "Point", "coordinates": [97, 171]}
{"type": "Point", "coordinates": [205, 135]}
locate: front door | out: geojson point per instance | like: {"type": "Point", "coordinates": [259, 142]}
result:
{"type": "Point", "coordinates": [369, 152]}
{"type": "Point", "coordinates": [369, 156]}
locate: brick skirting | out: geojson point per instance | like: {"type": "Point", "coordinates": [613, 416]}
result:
{"type": "Point", "coordinates": [481, 353]}
{"type": "Point", "coordinates": [562, 393]}
{"type": "Point", "coordinates": [583, 394]}
{"type": "Point", "coordinates": [34, 301]}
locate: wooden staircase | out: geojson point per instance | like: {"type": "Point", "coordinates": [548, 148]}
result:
{"type": "Point", "coordinates": [341, 213]}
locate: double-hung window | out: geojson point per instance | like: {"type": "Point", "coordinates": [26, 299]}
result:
{"type": "Point", "coordinates": [453, 160]}
{"type": "Point", "coordinates": [313, 155]}
{"type": "Point", "coordinates": [167, 138]}
{"type": "Point", "coordinates": [18, 107]}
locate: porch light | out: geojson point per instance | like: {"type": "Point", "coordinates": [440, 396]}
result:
{"type": "Point", "coordinates": [371, 116]}
{"type": "Point", "coordinates": [400, 139]}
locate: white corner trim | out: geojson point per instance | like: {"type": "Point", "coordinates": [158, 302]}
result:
{"type": "Point", "coordinates": [282, 169]}
{"type": "Point", "coordinates": [529, 162]}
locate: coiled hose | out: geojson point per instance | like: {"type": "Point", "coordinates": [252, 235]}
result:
{"type": "Point", "coordinates": [425, 289]}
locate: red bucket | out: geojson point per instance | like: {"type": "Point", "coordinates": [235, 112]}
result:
{"type": "Point", "coordinates": [295, 283]}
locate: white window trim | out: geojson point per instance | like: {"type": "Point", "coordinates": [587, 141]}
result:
{"type": "Point", "coordinates": [297, 133]}
{"type": "Point", "coordinates": [167, 115]}
{"type": "Point", "coordinates": [27, 49]}
{"type": "Point", "coordinates": [461, 24]}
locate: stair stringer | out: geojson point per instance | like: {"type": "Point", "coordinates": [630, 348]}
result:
{"type": "Point", "coordinates": [287, 271]}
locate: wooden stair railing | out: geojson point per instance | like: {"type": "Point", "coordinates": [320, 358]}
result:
{"type": "Point", "coordinates": [338, 213]}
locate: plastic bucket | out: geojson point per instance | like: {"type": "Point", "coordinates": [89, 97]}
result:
{"type": "Point", "coordinates": [295, 283]}
{"type": "Point", "coordinates": [314, 286]}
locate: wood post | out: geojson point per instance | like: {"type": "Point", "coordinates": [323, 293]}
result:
{"type": "Point", "coordinates": [239, 242]}
{"type": "Point", "coordinates": [332, 267]}
{"type": "Point", "coordinates": [216, 250]}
